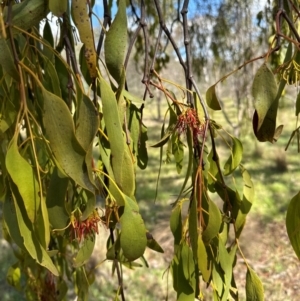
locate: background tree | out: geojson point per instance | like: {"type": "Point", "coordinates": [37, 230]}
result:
{"type": "Point", "coordinates": [73, 136]}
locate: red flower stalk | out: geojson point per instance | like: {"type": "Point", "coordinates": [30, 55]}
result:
{"type": "Point", "coordinates": [81, 229]}
{"type": "Point", "coordinates": [189, 119]}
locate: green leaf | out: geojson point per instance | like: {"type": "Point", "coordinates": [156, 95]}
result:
{"type": "Point", "coordinates": [163, 140]}
{"type": "Point", "coordinates": [254, 287]}
{"type": "Point", "coordinates": [193, 226]}
{"type": "Point", "coordinates": [85, 251]}
{"type": "Point", "coordinates": [81, 19]}
{"type": "Point", "coordinates": [116, 43]}
{"type": "Point", "coordinates": [7, 61]}
{"type": "Point", "coordinates": [24, 178]}
{"type": "Point", "coordinates": [293, 223]}
{"type": "Point", "coordinates": [21, 230]}
{"type": "Point", "coordinates": [212, 99]}
{"type": "Point", "coordinates": [58, 7]}
{"type": "Point", "coordinates": [176, 224]}
{"type": "Point", "coordinates": [268, 130]}
{"type": "Point", "coordinates": [214, 222]}
{"type": "Point", "coordinates": [153, 244]}
{"type": "Point", "coordinates": [51, 81]}
{"type": "Point", "coordinates": [264, 91]}
{"type": "Point", "coordinates": [26, 14]}
{"type": "Point", "coordinates": [81, 284]}
{"type": "Point", "coordinates": [7, 117]}
{"type": "Point", "coordinates": [246, 203]}
{"type": "Point", "coordinates": [122, 164]}
{"type": "Point", "coordinates": [235, 157]}
{"type": "Point", "coordinates": [13, 276]}
{"type": "Point", "coordinates": [204, 263]}
{"type": "Point", "coordinates": [55, 200]}
{"type": "Point", "coordinates": [133, 236]}
{"type": "Point", "coordinates": [178, 152]}
{"type": "Point", "coordinates": [61, 134]}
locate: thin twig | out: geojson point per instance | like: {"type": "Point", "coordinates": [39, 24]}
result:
{"type": "Point", "coordinates": [187, 45]}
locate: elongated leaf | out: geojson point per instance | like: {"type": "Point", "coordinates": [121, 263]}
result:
{"type": "Point", "coordinates": [55, 200]}
{"type": "Point", "coordinates": [61, 134]}
{"type": "Point", "coordinates": [27, 14]}
{"type": "Point", "coordinates": [298, 104]}
{"type": "Point", "coordinates": [268, 130]}
{"type": "Point", "coordinates": [293, 223]}
{"type": "Point", "coordinates": [235, 157]}
{"type": "Point", "coordinates": [122, 164]}
{"type": "Point", "coordinates": [21, 230]}
{"type": "Point", "coordinates": [264, 91]}
{"type": "Point", "coordinates": [212, 98]}
{"type": "Point", "coordinates": [246, 203]}
{"type": "Point", "coordinates": [6, 60]}
{"type": "Point", "coordinates": [153, 244]}
{"type": "Point", "coordinates": [84, 252]}
{"type": "Point", "coordinates": [24, 178]}
{"type": "Point", "coordinates": [163, 140]}
{"type": "Point", "coordinates": [204, 263]}
{"type": "Point", "coordinates": [133, 236]}
{"type": "Point", "coordinates": [81, 19]}
{"type": "Point", "coordinates": [116, 42]}
{"type": "Point", "coordinates": [178, 152]}
{"type": "Point", "coordinates": [193, 226]}
{"type": "Point", "coordinates": [176, 224]}
{"type": "Point", "coordinates": [254, 287]}
{"type": "Point", "coordinates": [214, 222]}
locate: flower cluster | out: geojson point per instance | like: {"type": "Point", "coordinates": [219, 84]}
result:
{"type": "Point", "coordinates": [81, 229]}
{"type": "Point", "coordinates": [189, 119]}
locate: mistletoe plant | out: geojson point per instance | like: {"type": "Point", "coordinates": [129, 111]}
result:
{"type": "Point", "coordinates": [72, 133]}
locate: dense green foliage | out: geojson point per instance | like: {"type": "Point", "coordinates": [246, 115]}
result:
{"type": "Point", "coordinates": [72, 137]}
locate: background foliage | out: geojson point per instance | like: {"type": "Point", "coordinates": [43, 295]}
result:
{"type": "Point", "coordinates": [74, 138]}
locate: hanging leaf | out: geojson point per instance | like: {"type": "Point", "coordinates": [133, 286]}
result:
{"type": "Point", "coordinates": [214, 222]}
{"type": "Point", "coordinates": [163, 140]}
{"type": "Point", "coordinates": [133, 232]}
{"type": "Point", "coordinates": [27, 14]}
{"type": "Point", "coordinates": [178, 152]}
{"type": "Point", "coordinates": [122, 164]}
{"type": "Point", "coordinates": [21, 230]}
{"type": "Point", "coordinates": [254, 287]}
{"type": "Point", "coordinates": [24, 178]}
{"type": "Point", "coordinates": [116, 42]}
{"type": "Point", "coordinates": [268, 130]}
{"type": "Point", "coordinates": [246, 203]}
{"type": "Point", "coordinates": [153, 244]}
{"type": "Point", "coordinates": [212, 99]}
{"type": "Point", "coordinates": [56, 199]}
{"type": "Point", "coordinates": [81, 19]}
{"type": "Point", "coordinates": [293, 223]}
{"type": "Point", "coordinates": [204, 263]}
{"type": "Point", "coordinates": [264, 91]}
{"type": "Point", "coordinates": [85, 251]}
{"type": "Point", "coordinates": [6, 60]}
{"type": "Point", "coordinates": [61, 134]}
{"type": "Point", "coordinates": [235, 157]}
{"type": "Point", "coordinates": [176, 224]}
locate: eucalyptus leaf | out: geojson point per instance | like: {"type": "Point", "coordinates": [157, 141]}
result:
{"type": "Point", "coordinates": [293, 223]}
{"type": "Point", "coordinates": [133, 236]}
{"type": "Point", "coordinates": [235, 157]}
{"type": "Point", "coordinates": [264, 91]}
{"type": "Point", "coordinates": [61, 134]}
{"type": "Point", "coordinates": [116, 42]}
{"type": "Point", "coordinates": [24, 178]}
{"type": "Point", "coordinates": [254, 287]}
{"type": "Point", "coordinates": [212, 99]}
